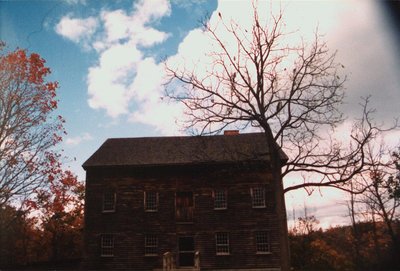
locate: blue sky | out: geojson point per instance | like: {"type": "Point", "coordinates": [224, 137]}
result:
{"type": "Point", "coordinates": [107, 57]}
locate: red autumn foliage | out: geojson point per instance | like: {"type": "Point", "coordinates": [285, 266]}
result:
{"type": "Point", "coordinates": [59, 209]}
{"type": "Point", "coordinates": [29, 129]}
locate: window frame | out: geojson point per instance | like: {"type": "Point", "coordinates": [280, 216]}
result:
{"type": "Point", "coordinates": [146, 205]}
{"type": "Point", "coordinates": [150, 244]}
{"type": "Point", "coordinates": [222, 248]}
{"type": "Point", "coordinates": [107, 245]}
{"type": "Point", "coordinates": [216, 193]}
{"type": "Point", "coordinates": [111, 201]}
{"type": "Point", "coordinates": [258, 202]}
{"type": "Point", "coordinates": [262, 242]}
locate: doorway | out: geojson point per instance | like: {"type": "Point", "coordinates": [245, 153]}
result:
{"type": "Point", "coordinates": [186, 251]}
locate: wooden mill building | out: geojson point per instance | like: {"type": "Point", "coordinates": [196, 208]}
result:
{"type": "Point", "coordinates": [185, 203]}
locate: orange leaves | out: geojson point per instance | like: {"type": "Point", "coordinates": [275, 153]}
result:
{"type": "Point", "coordinates": [28, 72]}
{"type": "Point", "coordinates": [37, 70]}
{"type": "Point", "coordinates": [62, 195]}
{"type": "Point", "coordinates": [25, 67]}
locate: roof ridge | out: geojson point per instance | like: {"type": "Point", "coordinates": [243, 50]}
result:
{"type": "Point", "coordinates": [185, 136]}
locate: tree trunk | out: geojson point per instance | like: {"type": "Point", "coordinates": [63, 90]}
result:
{"type": "Point", "coordinates": [276, 165]}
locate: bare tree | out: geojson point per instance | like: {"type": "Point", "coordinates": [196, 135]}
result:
{"type": "Point", "coordinates": [292, 93]}
{"type": "Point", "coordinates": [28, 127]}
{"type": "Point", "coordinates": [382, 186]}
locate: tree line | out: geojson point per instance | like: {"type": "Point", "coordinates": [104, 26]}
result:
{"type": "Point", "coordinates": [370, 247]}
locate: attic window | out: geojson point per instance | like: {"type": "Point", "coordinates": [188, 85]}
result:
{"type": "Point", "coordinates": [109, 200]}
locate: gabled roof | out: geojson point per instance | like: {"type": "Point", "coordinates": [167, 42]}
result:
{"type": "Point", "coordinates": [182, 150]}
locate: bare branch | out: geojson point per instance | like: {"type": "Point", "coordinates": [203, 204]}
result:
{"type": "Point", "coordinates": [292, 93]}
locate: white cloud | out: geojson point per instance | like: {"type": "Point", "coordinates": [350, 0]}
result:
{"type": "Point", "coordinates": [74, 141]}
{"type": "Point", "coordinates": [76, 30]}
{"type": "Point", "coordinates": [107, 87]}
{"type": "Point", "coordinates": [148, 93]}
{"type": "Point", "coordinates": [147, 11]}
{"type": "Point", "coordinates": [120, 26]}
{"type": "Point", "coordinates": [116, 24]}
{"type": "Point", "coordinates": [111, 81]}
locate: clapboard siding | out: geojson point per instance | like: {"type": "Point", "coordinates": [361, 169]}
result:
{"type": "Point", "coordinates": [129, 223]}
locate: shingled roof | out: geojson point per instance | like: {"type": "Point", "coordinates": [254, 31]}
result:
{"type": "Point", "coordinates": [164, 151]}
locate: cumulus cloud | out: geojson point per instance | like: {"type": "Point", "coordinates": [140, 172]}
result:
{"type": "Point", "coordinates": [112, 82]}
{"type": "Point", "coordinates": [148, 93]}
{"type": "Point", "coordinates": [126, 81]}
{"type": "Point", "coordinates": [74, 141]}
{"type": "Point", "coordinates": [76, 30]}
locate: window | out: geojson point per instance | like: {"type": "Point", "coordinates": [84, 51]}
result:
{"type": "Point", "coordinates": [184, 207]}
{"type": "Point", "coordinates": [220, 199]}
{"type": "Point", "coordinates": [258, 197]}
{"type": "Point", "coordinates": [107, 245]}
{"type": "Point", "coordinates": [262, 242]}
{"type": "Point", "coordinates": [222, 243]}
{"type": "Point", "coordinates": [109, 199]}
{"type": "Point", "coordinates": [150, 245]}
{"type": "Point", "coordinates": [150, 201]}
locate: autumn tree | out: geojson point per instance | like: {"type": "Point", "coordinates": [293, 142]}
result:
{"type": "Point", "coordinates": [59, 209]}
{"type": "Point", "coordinates": [29, 129]}
{"type": "Point", "coordinates": [293, 93]}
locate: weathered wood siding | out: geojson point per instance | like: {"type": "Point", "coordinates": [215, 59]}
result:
{"type": "Point", "coordinates": [129, 223]}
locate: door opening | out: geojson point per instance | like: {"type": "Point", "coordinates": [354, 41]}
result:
{"type": "Point", "coordinates": [186, 251]}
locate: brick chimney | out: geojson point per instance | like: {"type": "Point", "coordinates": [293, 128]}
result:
{"type": "Point", "coordinates": [231, 132]}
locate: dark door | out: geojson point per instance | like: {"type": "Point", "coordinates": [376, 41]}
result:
{"type": "Point", "coordinates": [186, 251]}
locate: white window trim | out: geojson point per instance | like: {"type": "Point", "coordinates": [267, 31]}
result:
{"type": "Point", "coordinates": [222, 245]}
{"type": "Point", "coordinates": [114, 203]}
{"type": "Point", "coordinates": [145, 205]}
{"type": "Point", "coordinates": [107, 247]}
{"type": "Point", "coordinates": [252, 197]}
{"type": "Point", "coordinates": [226, 199]}
{"type": "Point", "coordinates": [268, 242]}
{"type": "Point", "coordinates": [150, 246]}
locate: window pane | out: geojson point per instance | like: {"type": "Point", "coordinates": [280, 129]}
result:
{"type": "Point", "coordinates": [151, 244]}
{"type": "Point", "coordinates": [258, 196]}
{"type": "Point", "coordinates": [151, 201]}
{"type": "Point", "coordinates": [220, 199]}
{"type": "Point", "coordinates": [262, 241]}
{"type": "Point", "coordinates": [107, 245]}
{"type": "Point", "coordinates": [222, 243]}
{"type": "Point", "coordinates": [109, 201]}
